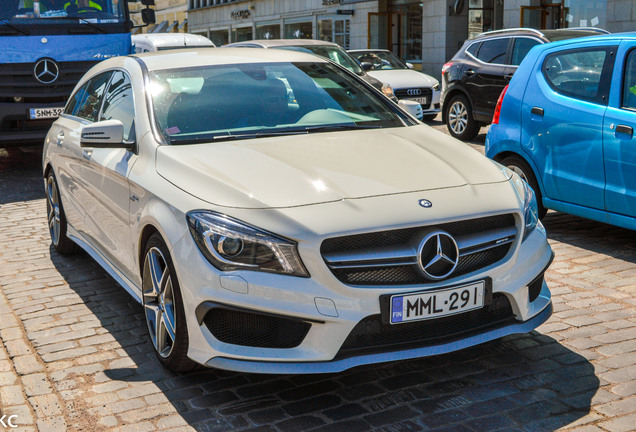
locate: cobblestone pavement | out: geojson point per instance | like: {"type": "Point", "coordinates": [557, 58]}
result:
{"type": "Point", "coordinates": [75, 356]}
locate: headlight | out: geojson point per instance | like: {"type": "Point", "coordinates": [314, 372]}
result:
{"type": "Point", "coordinates": [230, 244]}
{"type": "Point", "coordinates": [436, 86]}
{"type": "Point", "coordinates": [530, 210]}
{"type": "Point", "coordinates": [388, 91]}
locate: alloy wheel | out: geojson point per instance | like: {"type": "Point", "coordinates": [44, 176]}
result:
{"type": "Point", "coordinates": [53, 210]}
{"type": "Point", "coordinates": [458, 117]}
{"type": "Point", "coordinates": [159, 305]}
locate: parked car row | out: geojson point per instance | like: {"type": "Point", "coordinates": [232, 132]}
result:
{"type": "Point", "coordinates": [474, 78]}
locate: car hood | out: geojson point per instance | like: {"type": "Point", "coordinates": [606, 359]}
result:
{"type": "Point", "coordinates": [403, 78]}
{"type": "Point", "coordinates": [300, 170]}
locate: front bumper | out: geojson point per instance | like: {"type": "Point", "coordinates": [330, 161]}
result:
{"type": "Point", "coordinates": [347, 363]}
{"type": "Point", "coordinates": [16, 128]}
{"type": "Point", "coordinates": [334, 309]}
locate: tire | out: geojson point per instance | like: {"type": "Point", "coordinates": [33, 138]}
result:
{"type": "Point", "coordinates": [521, 167]}
{"type": "Point", "coordinates": [459, 118]}
{"type": "Point", "coordinates": [57, 219]}
{"type": "Point", "coordinates": [163, 307]}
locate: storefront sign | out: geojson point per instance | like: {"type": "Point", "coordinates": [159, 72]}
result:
{"type": "Point", "coordinates": [330, 2]}
{"type": "Point", "coordinates": [242, 14]}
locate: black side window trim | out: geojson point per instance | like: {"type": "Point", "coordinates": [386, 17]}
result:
{"type": "Point", "coordinates": [623, 83]}
{"type": "Point", "coordinates": [602, 95]}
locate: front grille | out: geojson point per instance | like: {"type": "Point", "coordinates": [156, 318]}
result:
{"type": "Point", "coordinates": [372, 336]}
{"type": "Point", "coordinates": [390, 257]}
{"type": "Point", "coordinates": [17, 80]}
{"type": "Point", "coordinates": [254, 329]}
{"type": "Point", "coordinates": [409, 93]}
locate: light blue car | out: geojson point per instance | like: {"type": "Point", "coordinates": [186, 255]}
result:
{"type": "Point", "coordinates": [566, 123]}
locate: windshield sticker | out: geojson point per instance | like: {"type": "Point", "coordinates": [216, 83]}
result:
{"type": "Point", "coordinates": [173, 130]}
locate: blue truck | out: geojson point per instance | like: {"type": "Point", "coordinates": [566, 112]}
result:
{"type": "Point", "coordinates": [45, 47]}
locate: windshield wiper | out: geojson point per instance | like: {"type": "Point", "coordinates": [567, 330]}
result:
{"type": "Point", "coordinates": [327, 128]}
{"type": "Point", "coordinates": [18, 29]}
{"type": "Point", "coordinates": [229, 136]}
{"type": "Point", "coordinates": [79, 19]}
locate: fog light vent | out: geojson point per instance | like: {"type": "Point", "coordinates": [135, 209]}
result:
{"type": "Point", "coordinates": [254, 329]}
{"type": "Point", "coordinates": [534, 288]}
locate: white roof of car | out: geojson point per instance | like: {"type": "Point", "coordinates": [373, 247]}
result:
{"type": "Point", "coordinates": [200, 57]}
{"type": "Point", "coordinates": [266, 43]}
{"type": "Point", "coordinates": [173, 39]}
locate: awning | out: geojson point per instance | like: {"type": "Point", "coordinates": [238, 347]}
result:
{"type": "Point", "coordinates": [160, 28]}
{"type": "Point", "coordinates": [173, 25]}
{"type": "Point", "coordinates": [183, 24]}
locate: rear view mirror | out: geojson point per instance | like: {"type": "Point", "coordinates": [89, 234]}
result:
{"type": "Point", "coordinates": [148, 16]}
{"type": "Point", "coordinates": [366, 66]}
{"type": "Point", "coordinates": [148, 2]}
{"type": "Point", "coordinates": [104, 134]}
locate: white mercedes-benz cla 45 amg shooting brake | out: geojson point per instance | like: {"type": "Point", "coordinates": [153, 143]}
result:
{"type": "Point", "coordinates": [274, 213]}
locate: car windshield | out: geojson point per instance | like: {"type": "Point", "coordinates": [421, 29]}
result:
{"type": "Point", "coordinates": [211, 103]}
{"type": "Point", "coordinates": [43, 12]}
{"type": "Point", "coordinates": [331, 52]}
{"type": "Point", "coordinates": [379, 60]}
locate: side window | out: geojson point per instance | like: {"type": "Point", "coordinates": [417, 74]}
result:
{"type": "Point", "coordinates": [77, 99]}
{"type": "Point", "coordinates": [89, 97]}
{"type": "Point", "coordinates": [493, 51]}
{"type": "Point", "coordinates": [119, 104]}
{"type": "Point", "coordinates": [579, 73]}
{"type": "Point", "coordinates": [473, 49]}
{"type": "Point", "coordinates": [520, 48]}
{"type": "Point", "coordinates": [629, 82]}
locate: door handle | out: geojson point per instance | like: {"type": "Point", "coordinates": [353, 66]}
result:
{"type": "Point", "coordinates": [625, 129]}
{"type": "Point", "coordinates": [508, 77]}
{"type": "Point", "coordinates": [60, 138]}
{"type": "Point", "coordinates": [538, 111]}
{"type": "Point", "coordinates": [469, 72]}
{"type": "Point", "coordinates": [86, 154]}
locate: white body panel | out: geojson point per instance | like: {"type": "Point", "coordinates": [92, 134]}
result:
{"type": "Point", "coordinates": [306, 188]}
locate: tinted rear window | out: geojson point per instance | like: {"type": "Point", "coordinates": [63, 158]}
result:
{"type": "Point", "coordinates": [493, 51]}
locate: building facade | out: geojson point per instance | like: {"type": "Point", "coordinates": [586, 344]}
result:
{"type": "Point", "coordinates": [426, 33]}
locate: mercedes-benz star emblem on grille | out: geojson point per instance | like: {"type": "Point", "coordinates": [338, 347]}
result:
{"type": "Point", "coordinates": [414, 92]}
{"type": "Point", "coordinates": [425, 203]}
{"type": "Point", "coordinates": [46, 71]}
{"type": "Point", "coordinates": [438, 255]}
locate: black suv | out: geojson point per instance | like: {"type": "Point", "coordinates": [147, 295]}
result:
{"type": "Point", "coordinates": [474, 78]}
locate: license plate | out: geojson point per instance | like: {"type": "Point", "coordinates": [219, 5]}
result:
{"type": "Point", "coordinates": [435, 304]}
{"type": "Point", "coordinates": [43, 113]}
{"type": "Point", "coordinates": [421, 101]}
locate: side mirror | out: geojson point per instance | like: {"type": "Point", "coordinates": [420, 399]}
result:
{"type": "Point", "coordinates": [366, 66]}
{"type": "Point", "coordinates": [104, 134]}
{"type": "Point", "coordinates": [409, 65]}
{"type": "Point", "coordinates": [148, 16]}
{"type": "Point", "coordinates": [412, 107]}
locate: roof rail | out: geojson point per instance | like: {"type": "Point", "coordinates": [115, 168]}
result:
{"type": "Point", "coordinates": [530, 30]}
{"type": "Point", "coordinates": [595, 29]}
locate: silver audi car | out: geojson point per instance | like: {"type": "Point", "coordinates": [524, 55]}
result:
{"type": "Point", "coordinates": [274, 213]}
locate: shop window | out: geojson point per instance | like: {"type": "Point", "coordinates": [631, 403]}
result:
{"type": "Point", "coordinates": [219, 37]}
{"type": "Point", "coordinates": [299, 30]}
{"type": "Point", "coordinates": [267, 31]}
{"type": "Point", "coordinates": [242, 34]}
{"type": "Point", "coordinates": [335, 30]}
